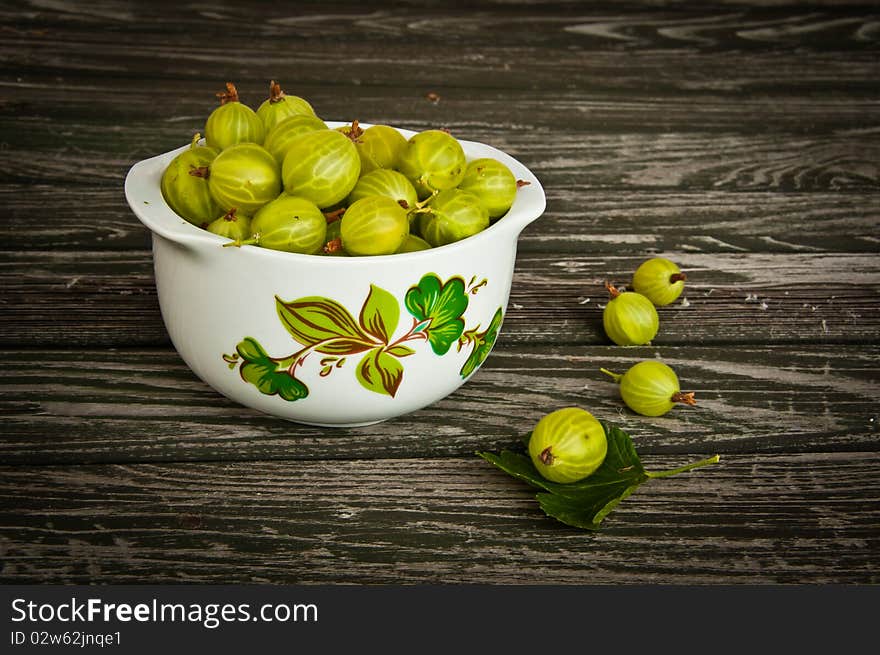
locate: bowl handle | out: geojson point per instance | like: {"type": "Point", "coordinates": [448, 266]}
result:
{"type": "Point", "coordinates": [142, 191]}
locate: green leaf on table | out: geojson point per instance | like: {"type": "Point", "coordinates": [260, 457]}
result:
{"type": "Point", "coordinates": [268, 375]}
{"type": "Point", "coordinates": [584, 504]}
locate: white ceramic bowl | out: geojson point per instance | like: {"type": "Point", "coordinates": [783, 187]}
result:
{"type": "Point", "coordinates": [331, 340]}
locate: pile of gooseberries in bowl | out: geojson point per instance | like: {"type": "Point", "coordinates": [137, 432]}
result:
{"type": "Point", "coordinates": [331, 272]}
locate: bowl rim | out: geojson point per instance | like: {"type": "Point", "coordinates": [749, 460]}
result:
{"type": "Point", "coordinates": [159, 218]}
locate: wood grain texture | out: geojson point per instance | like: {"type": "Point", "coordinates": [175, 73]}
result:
{"type": "Point", "coordinates": [578, 220]}
{"type": "Point", "coordinates": [136, 406]}
{"type": "Point", "coordinates": [109, 298]}
{"type": "Point", "coordinates": [749, 519]}
{"type": "Point", "coordinates": [739, 138]}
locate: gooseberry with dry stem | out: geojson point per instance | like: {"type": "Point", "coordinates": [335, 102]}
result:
{"type": "Point", "coordinates": [232, 122]}
{"type": "Point", "coordinates": [279, 106]}
{"type": "Point", "coordinates": [184, 184]}
{"type": "Point", "coordinates": [660, 280]}
{"type": "Point", "coordinates": [629, 318]}
{"type": "Point", "coordinates": [231, 225]}
{"type": "Point", "coordinates": [567, 445]}
{"type": "Point", "coordinates": [651, 388]}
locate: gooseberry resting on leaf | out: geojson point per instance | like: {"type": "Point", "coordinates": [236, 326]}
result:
{"type": "Point", "coordinates": [659, 280]}
{"type": "Point", "coordinates": [629, 318]}
{"type": "Point", "coordinates": [232, 122]}
{"type": "Point", "coordinates": [567, 445]}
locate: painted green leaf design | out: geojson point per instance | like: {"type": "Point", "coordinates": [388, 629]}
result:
{"type": "Point", "coordinates": [323, 323]}
{"type": "Point", "coordinates": [380, 314]}
{"type": "Point", "coordinates": [442, 304]}
{"type": "Point", "coordinates": [268, 374]}
{"type": "Point", "coordinates": [380, 372]}
{"type": "Point", "coordinates": [483, 343]}
{"type": "Point", "coordinates": [400, 350]}
{"type": "Point", "coordinates": [584, 504]}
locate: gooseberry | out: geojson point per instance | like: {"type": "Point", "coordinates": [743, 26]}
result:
{"type": "Point", "coordinates": [451, 216]}
{"type": "Point", "coordinates": [231, 225]}
{"type": "Point", "coordinates": [282, 135]}
{"type": "Point", "coordinates": [432, 160]}
{"type": "Point", "coordinates": [659, 280]}
{"type": "Point", "coordinates": [414, 244]}
{"type": "Point", "coordinates": [374, 225]}
{"type": "Point", "coordinates": [288, 223]}
{"type": "Point", "coordinates": [279, 106]}
{"type": "Point", "coordinates": [245, 176]}
{"type": "Point", "coordinates": [184, 184]}
{"type": "Point", "coordinates": [629, 318]}
{"type": "Point", "coordinates": [379, 146]}
{"type": "Point", "coordinates": [493, 183]}
{"type": "Point", "coordinates": [567, 445]}
{"type": "Point", "coordinates": [232, 122]}
{"type": "Point", "coordinates": [651, 388]}
{"type": "Point", "coordinates": [388, 183]}
{"type": "Point", "coordinates": [322, 166]}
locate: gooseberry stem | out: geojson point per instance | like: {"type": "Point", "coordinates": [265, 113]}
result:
{"type": "Point", "coordinates": [230, 95]}
{"type": "Point", "coordinates": [686, 398]}
{"type": "Point", "coordinates": [687, 467]}
{"type": "Point", "coordinates": [335, 215]}
{"type": "Point", "coordinates": [275, 92]}
{"type": "Point", "coordinates": [677, 277]}
{"type": "Point", "coordinates": [616, 376]}
{"type": "Point", "coordinates": [612, 290]}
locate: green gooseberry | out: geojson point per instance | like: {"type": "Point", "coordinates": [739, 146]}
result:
{"type": "Point", "coordinates": [289, 223]}
{"type": "Point", "coordinates": [333, 241]}
{"type": "Point", "coordinates": [451, 216]}
{"type": "Point", "coordinates": [244, 176]}
{"type": "Point", "coordinates": [322, 166]}
{"type": "Point", "coordinates": [388, 183]}
{"type": "Point", "coordinates": [184, 184]}
{"type": "Point", "coordinates": [629, 318]}
{"type": "Point", "coordinates": [414, 244]}
{"type": "Point", "coordinates": [232, 122]}
{"type": "Point", "coordinates": [660, 280]}
{"type": "Point", "coordinates": [432, 160]}
{"type": "Point", "coordinates": [374, 225]}
{"type": "Point", "coordinates": [231, 225]}
{"type": "Point", "coordinates": [279, 106]}
{"type": "Point", "coordinates": [651, 388]}
{"type": "Point", "coordinates": [568, 445]}
{"type": "Point", "coordinates": [493, 183]}
{"type": "Point", "coordinates": [282, 135]}
{"type": "Point", "coordinates": [379, 146]}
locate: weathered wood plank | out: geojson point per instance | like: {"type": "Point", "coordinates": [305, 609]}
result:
{"type": "Point", "coordinates": [109, 298]}
{"type": "Point", "coordinates": [579, 219]}
{"type": "Point", "coordinates": [674, 162]}
{"type": "Point", "coordinates": [135, 406]}
{"type": "Point", "coordinates": [755, 519]}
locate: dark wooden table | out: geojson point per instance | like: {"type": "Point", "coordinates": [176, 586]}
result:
{"type": "Point", "coordinates": [741, 140]}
